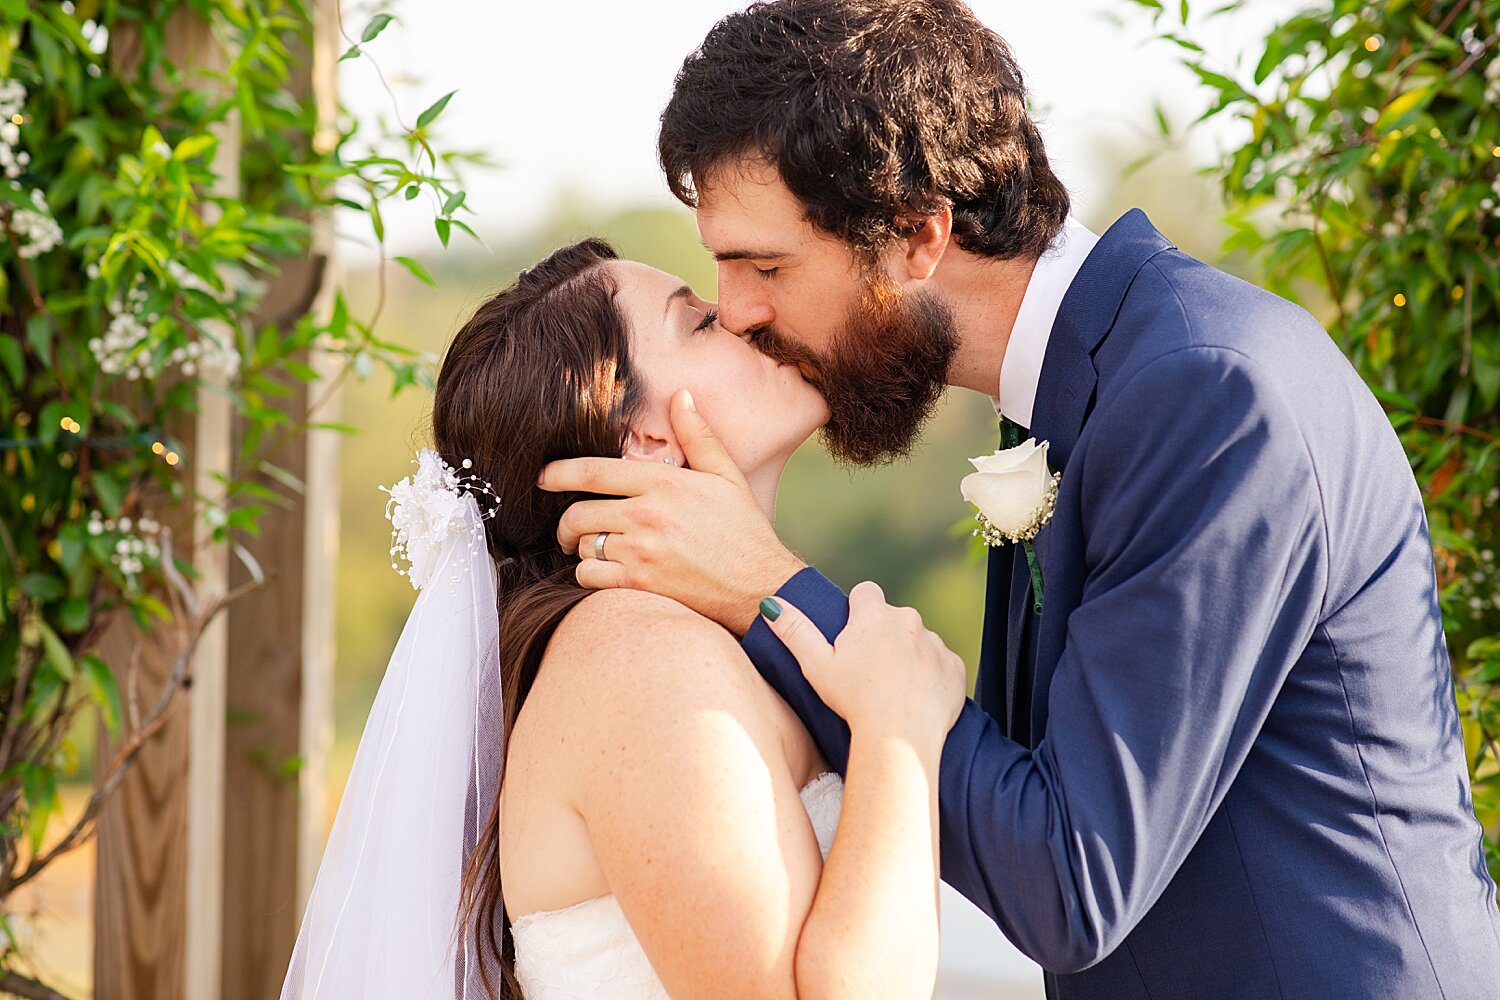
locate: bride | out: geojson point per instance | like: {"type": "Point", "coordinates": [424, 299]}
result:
{"type": "Point", "coordinates": [665, 825]}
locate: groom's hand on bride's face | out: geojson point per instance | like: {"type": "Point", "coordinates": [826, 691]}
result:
{"type": "Point", "coordinates": [695, 535]}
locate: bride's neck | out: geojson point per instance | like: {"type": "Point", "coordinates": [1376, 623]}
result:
{"type": "Point", "coordinates": [763, 486]}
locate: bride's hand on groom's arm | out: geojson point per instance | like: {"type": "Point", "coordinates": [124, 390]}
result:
{"type": "Point", "coordinates": [696, 535]}
{"type": "Point", "coordinates": [887, 674]}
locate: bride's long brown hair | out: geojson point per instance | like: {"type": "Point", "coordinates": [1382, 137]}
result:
{"type": "Point", "coordinates": [540, 372]}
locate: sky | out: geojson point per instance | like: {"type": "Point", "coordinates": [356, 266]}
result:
{"type": "Point", "coordinates": [566, 94]}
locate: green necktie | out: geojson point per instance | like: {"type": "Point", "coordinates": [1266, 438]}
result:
{"type": "Point", "coordinates": [1011, 435]}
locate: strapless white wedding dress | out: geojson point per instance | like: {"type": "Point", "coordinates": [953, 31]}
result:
{"type": "Point", "coordinates": [587, 951]}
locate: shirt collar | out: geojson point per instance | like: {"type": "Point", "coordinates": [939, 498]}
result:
{"type": "Point", "coordinates": [1021, 368]}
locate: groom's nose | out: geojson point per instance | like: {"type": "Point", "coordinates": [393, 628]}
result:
{"type": "Point", "coordinates": [742, 306]}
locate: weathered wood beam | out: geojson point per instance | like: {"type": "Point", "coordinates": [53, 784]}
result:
{"type": "Point", "coordinates": [281, 643]}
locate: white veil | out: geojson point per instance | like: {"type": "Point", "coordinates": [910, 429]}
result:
{"type": "Point", "coordinates": [381, 923]}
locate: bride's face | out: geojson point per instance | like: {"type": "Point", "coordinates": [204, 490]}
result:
{"type": "Point", "coordinates": [760, 409]}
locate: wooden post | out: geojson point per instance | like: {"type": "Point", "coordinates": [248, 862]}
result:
{"type": "Point", "coordinates": [280, 639]}
{"type": "Point", "coordinates": [158, 881]}
{"type": "Point", "coordinates": [206, 853]}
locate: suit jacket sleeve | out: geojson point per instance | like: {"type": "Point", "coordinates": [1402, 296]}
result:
{"type": "Point", "coordinates": [1206, 567]}
{"type": "Point", "coordinates": [827, 607]}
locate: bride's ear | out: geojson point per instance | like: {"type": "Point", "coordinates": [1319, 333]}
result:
{"type": "Point", "coordinates": [643, 446]}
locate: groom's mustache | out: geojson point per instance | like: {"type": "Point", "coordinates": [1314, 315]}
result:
{"type": "Point", "coordinates": [781, 349]}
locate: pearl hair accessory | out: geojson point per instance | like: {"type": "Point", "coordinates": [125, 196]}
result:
{"type": "Point", "coordinates": [429, 508]}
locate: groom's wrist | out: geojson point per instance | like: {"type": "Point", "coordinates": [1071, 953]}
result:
{"type": "Point", "coordinates": [765, 579]}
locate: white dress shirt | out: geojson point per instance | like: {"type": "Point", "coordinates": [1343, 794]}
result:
{"type": "Point", "coordinates": [1021, 368]}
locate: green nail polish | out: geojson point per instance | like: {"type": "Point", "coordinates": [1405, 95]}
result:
{"type": "Point", "coordinates": [770, 608]}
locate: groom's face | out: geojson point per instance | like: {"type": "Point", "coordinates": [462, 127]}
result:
{"type": "Point", "coordinates": [878, 350]}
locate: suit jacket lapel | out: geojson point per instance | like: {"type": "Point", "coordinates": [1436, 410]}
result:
{"type": "Point", "coordinates": [1065, 396]}
{"type": "Point", "coordinates": [1066, 389]}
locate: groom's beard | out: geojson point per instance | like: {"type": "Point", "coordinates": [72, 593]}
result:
{"type": "Point", "coordinates": [882, 375]}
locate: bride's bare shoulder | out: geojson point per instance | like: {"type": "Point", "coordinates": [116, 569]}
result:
{"type": "Point", "coordinates": [628, 613]}
{"type": "Point", "coordinates": [645, 654]}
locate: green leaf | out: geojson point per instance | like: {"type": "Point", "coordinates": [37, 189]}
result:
{"type": "Point", "coordinates": [1405, 107]}
{"type": "Point", "coordinates": [43, 587]}
{"type": "Point", "coordinates": [71, 544]}
{"type": "Point", "coordinates": [454, 203]}
{"type": "Point", "coordinates": [103, 690]}
{"type": "Point", "coordinates": [417, 270]}
{"type": "Point", "coordinates": [73, 615]}
{"type": "Point", "coordinates": [1270, 59]}
{"type": "Point", "coordinates": [12, 359]}
{"type": "Point", "coordinates": [1393, 399]}
{"type": "Point", "coordinates": [352, 52]}
{"type": "Point", "coordinates": [375, 27]}
{"type": "Point", "coordinates": [40, 786]}
{"type": "Point", "coordinates": [39, 334]}
{"type": "Point", "coordinates": [150, 607]}
{"type": "Point", "coordinates": [109, 492]}
{"type": "Point", "coordinates": [443, 227]}
{"type": "Point", "coordinates": [427, 117]}
{"type": "Point", "coordinates": [57, 651]}
{"type": "Point", "coordinates": [194, 146]}
{"type": "Point", "coordinates": [283, 476]}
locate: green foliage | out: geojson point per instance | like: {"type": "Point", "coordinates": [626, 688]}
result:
{"type": "Point", "coordinates": [1370, 178]}
{"type": "Point", "coordinates": [149, 192]}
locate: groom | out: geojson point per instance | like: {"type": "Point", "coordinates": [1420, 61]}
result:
{"type": "Point", "coordinates": [1217, 754]}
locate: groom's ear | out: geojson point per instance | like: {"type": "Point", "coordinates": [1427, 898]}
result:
{"type": "Point", "coordinates": [927, 244]}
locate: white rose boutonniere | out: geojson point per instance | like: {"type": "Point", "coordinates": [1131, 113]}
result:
{"type": "Point", "coordinates": [1015, 492]}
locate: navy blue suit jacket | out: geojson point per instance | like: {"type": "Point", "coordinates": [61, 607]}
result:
{"type": "Point", "coordinates": [1225, 760]}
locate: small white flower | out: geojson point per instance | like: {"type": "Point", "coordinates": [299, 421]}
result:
{"type": "Point", "coordinates": [1015, 492]}
{"type": "Point", "coordinates": [428, 509]}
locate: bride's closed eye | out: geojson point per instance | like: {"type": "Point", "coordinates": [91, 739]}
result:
{"type": "Point", "coordinates": [709, 319]}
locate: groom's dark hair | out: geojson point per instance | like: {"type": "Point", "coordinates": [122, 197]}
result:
{"type": "Point", "coordinates": [875, 113]}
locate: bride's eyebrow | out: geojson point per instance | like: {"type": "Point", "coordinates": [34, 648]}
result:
{"type": "Point", "coordinates": [681, 293]}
